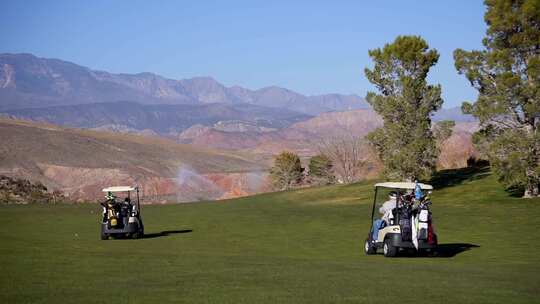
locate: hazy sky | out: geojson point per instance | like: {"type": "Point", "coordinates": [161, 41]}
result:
{"type": "Point", "coordinates": [311, 47]}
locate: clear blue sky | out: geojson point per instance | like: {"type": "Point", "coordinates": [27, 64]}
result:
{"type": "Point", "coordinates": [311, 47]}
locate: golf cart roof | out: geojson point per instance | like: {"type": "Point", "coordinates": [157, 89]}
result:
{"type": "Point", "coordinates": [119, 189]}
{"type": "Point", "coordinates": [403, 185]}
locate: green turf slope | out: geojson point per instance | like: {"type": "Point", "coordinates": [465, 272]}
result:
{"type": "Point", "coordinates": [300, 246]}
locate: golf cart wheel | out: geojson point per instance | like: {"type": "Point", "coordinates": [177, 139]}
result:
{"type": "Point", "coordinates": [104, 236]}
{"type": "Point", "coordinates": [368, 248]}
{"type": "Point", "coordinates": [388, 249]}
{"type": "Point", "coordinates": [138, 234]}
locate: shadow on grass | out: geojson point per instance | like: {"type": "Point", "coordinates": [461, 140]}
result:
{"type": "Point", "coordinates": [452, 249]}
{"type": "Point", "coordinates": [442, 251]}
{"type": "Point", "coordinates": [453, 177]}
{"type": "Point", "coordinates": [165, 233]}
{"type": "Point", "coordinates": [515, 191]}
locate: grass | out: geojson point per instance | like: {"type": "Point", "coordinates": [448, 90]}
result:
{"type": "Point", "coordinates": [302, 246]}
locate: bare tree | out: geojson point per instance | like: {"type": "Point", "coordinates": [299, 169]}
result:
{"type": "Point", "coordinates": [346, 154]}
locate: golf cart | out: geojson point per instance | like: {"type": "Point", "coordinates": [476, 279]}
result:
{"type": "Point", "coordinates": [406, 222]}
{"type": "Point", "coordinates": [121, 218]}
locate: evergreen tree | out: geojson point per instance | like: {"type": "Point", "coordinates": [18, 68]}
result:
{"type": "Point", "coordinates": [320, 169]}
{"type": "Point", "coordinates": [506, 74]}
{"type": "Point", "coordinates": [443, 130]}
{"type": "Point", "coordinates": [287, 171]}
{"type": "Point", "coordinates": [405, 144]}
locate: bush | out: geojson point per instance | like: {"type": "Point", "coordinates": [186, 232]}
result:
{"type": "Point", "coordinates": [321, 170]}
{"type": "Point", "coordinates": [287, 171]}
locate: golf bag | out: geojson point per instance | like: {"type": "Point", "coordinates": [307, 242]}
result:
{"type": "Point", "coordinates": [423, 224]}
{"type": "Point", "coordinates": [431, 237]}
{"type": "Point", "coordinates": [111, 214]}
{"type": "Point", "coordinates": [405, 222]}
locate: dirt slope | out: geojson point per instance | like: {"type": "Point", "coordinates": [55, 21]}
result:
{"type": "Point", "coordinates": [80, 162]}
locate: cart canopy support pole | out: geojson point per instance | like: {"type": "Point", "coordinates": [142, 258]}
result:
{"type": "Point", "coordinates": [398, 206]}
{"type": "Point", "coordinates": [138, 205]}
{"type": "Point", "coordinates": [373, 209]}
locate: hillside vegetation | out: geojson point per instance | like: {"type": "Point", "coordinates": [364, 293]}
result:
{"type": "Point", "coordinates": [301, 246]}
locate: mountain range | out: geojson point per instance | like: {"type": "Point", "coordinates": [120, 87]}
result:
{"type": "Point", "coordinates": [68, 94]}
{"type": "Point", "coordinates": [27, 81]}
{"type": "Point", "coordinates": [162, 119]}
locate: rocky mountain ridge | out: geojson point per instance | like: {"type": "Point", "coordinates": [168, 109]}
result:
{"type": "Point", "coordinates": [166, 120]}
{"type": "Point", "coordinates": [27, 81]}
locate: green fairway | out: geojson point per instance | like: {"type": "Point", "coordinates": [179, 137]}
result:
{"type": "Point", "coordinates": [300, 246]}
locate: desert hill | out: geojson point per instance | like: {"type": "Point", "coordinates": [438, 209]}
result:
{"type": "Point", "coordinates": [332, 124]}
{"type": "Point", "coordinates": [80, 162]}
{"type": "Point", "coordinates": [304, 137]}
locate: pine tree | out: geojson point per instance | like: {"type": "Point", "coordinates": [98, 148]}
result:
{"type": "Point", "coordinates": [405, 144]}
{"type": "Point", "coordinates": [287, 171]}
{"type": "Point", "coordinates": [321, 170]}
{"type": "Point", "coordinates": [506, 74]}
{"type": "Point", "coordinates": [443, 130]}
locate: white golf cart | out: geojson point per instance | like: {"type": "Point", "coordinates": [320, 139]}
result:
{"type": "Point", "coordinates": [406, 223]}
{"type": "Point", "coordinates": [121, 217]}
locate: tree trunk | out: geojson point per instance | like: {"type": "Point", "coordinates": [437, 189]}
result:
{"type": "Point", "coordinates": [532, 187]}
{"type": "Point", "coordinates": [531, 190]}
{"type": "Point", "coordinates": [533, 180]}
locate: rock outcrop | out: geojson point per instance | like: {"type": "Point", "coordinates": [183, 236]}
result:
{"type": "Point", "coordinates": [22, 191]}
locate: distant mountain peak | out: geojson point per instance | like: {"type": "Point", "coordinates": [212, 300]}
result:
{"type": "Point", "coordinates": [203, 78]}
{"type": "Point", "coordinates": [20, 55]}
{"type": "Point", "coordinates": [276, 89]}
{"type": "Point", "coordinates": [144, 74]}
